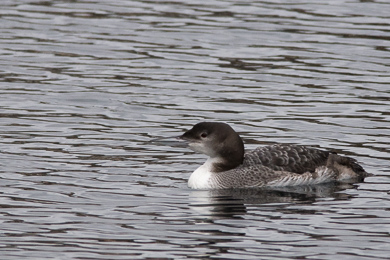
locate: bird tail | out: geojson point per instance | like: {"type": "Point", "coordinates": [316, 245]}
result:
{"type": "Point", "coordinates": [346, 167]}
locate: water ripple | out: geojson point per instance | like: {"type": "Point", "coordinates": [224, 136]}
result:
{"type": "Point", "coordinates": [84, 87]}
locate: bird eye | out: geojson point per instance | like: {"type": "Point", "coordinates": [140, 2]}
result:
{"type": "Point", "coordinates": [203, 135]}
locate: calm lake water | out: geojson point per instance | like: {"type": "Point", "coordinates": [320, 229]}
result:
{"type": "Point", "coordinates": [85, 85]}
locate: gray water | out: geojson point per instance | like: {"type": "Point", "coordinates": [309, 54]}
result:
{"type": "Point", "coordinates": [85, 86]}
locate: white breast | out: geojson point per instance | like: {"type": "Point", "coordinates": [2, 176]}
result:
{"type": "Point", "coordinates": [200, 178]}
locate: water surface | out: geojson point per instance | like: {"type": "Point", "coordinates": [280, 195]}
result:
{"type": "Point", "coordinates": [85, 86]}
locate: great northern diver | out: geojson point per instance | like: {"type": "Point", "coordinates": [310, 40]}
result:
{"type": "Point", "coordinates": [228, 166]}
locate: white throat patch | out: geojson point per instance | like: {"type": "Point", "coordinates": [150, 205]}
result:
{"type": "Point", "coordinates": [201, 177]}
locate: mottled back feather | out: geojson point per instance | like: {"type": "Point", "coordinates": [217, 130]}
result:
{"type": "Point", "coordinates": [290, 158]}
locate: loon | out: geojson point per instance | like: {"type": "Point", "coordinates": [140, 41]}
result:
{"type": "Point", "coordinates": [229, 167]}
